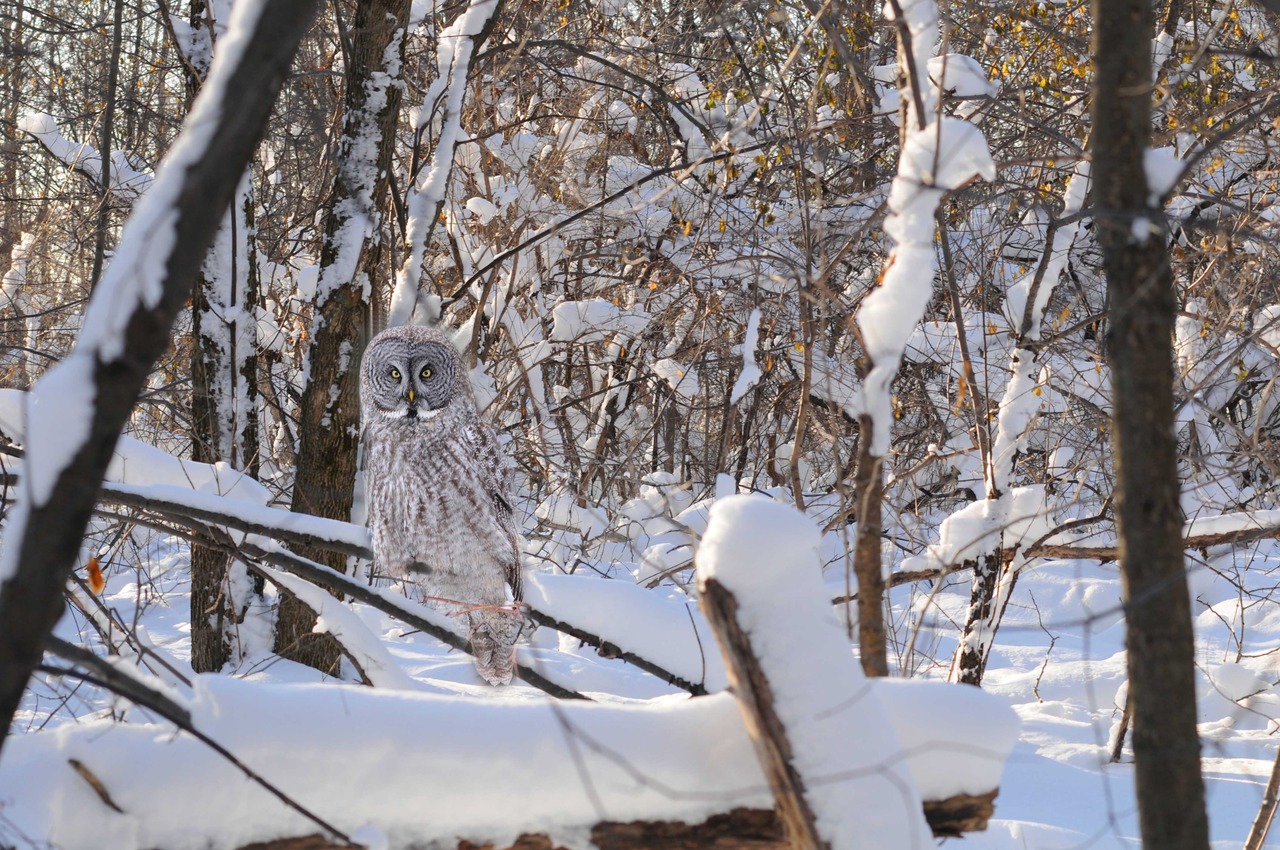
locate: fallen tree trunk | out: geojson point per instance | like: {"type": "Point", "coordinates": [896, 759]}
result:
{"type": "Point", "coordinates": [739, 829]}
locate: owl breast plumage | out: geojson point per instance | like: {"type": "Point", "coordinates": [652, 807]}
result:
{"type": "Point", "coordinates": [438, 504]}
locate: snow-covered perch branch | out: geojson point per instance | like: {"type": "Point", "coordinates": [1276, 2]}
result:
{"type": "Point", "coordinates": [286, 526]}
{"type": "Point", "coordinates": [325, 585]}
{"type": "Point", "coordinates": [678, 660]}
{"type": "Point", "coordinates": [76, 411]}
{"type": "Point", "coordinates": [241, 526]}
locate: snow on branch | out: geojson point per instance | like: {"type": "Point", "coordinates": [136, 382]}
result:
{"type": "Point", "coordinates": [663, 637]}
{"type": "Point", "coordinates": [1025, 305]}
{"type": "Point", "coordinates": [127, 183]}
{"type": "Point", "coordinates": [75, 413]}
{"type": "Point", "coordinates": [939, 154]}
{"type": "Point", "coordinates": [426, 197]}
{"type": "Point", "coordinates": [292, 528]}
{"type": "Point", "coordinates": [332, 616]}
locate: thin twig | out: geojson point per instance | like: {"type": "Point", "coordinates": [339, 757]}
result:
{"type": "Point", "coordinates": [106, 676]}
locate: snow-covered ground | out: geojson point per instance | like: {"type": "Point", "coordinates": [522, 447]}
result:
{"type": "Point", "coordinates": [376, 762]}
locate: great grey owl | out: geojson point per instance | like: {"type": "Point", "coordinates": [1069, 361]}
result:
{"type": "Point", "coordinates": [439, 509]}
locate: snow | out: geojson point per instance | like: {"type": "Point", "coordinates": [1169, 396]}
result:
{"type": "Point", "coordinates": [680, 377]}
{"type": "Point", "coordinates": [334, 617]}
{"type": "Point", "coordinates": [960, 76]}
{"type": "Point", "coordinates": [766, 555]}
{"type": "Point", "coordinates": [939, 153]}
{"type": "Point", "coordinates": [482, 208]}
{"type": "Point", "coordinates": [750, 374]}
{"type": "Point", "coordinates": [969, 532]}
{"type": "Point", "coordinates": [947, 751]}
{"type": "Point", "coordinates": [409, 765]}
{"type": "Point", "coordinates": [417, 766]}
{"type": "Point", "coordinates": [154, 472]}
{"type": "Point", "coordinates": [453, 60]}
{"type": "Point", "coordinates": [594, 320]}
{"type": "Point", "coordinates": [946, 155]}
{"type": "Point", "coordinates": [126, 181]}
{"type": "Point", "coordinates": [1163, 169]}
{"type": "Point", "coordinates": [64, 407]}
{"type": "Point", "coordinates": [659, 626]}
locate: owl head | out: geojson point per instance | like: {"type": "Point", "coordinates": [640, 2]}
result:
{"type": "Point", "coordinates": [412, 374]}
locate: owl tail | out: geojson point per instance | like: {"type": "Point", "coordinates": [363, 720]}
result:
{"type": "Point", "coordinates": [493, 644]}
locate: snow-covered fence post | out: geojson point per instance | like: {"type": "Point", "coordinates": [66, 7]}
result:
{"type": "Point", "coordinates": [823, 739]}
{"type": "Point", "coordinates": [77, 409]}
{"type": "Point", "coordinates": [939, 153]}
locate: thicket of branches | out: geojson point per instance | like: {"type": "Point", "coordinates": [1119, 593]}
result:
{"type": "Point", "coordinates": [653, 226]}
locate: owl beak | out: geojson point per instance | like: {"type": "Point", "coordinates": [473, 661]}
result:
{"type": "Point", "coordinates": [410, 395]}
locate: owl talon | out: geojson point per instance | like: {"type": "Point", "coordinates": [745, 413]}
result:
{"type": "Point", "coordinates": [496, 663]}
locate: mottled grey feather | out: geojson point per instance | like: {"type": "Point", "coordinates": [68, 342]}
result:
{"type": "Point", "coordinates": [438, 503]}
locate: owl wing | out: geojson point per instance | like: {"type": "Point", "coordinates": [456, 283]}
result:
{"type": "Point", "coordinates": [493, 476]}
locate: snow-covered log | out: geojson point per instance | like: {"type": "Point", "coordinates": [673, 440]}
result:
{"type": "Point", "coordinates": [76, 411]}
{"type": "Point", "coordinates": [442, 771]}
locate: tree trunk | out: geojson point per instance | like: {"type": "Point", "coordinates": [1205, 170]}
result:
{"type": "Point", "coordinates": [1132, 234]}
{"type": "Point", "coordinates": [11, 85]}
{"type": "Point", "coordinates": [328, 420]}
{"type": "Point", "coordinates": [868, 494]}
{"type": "Point", "coordinates": [223, 388]}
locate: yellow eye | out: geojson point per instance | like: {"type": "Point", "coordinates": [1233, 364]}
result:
{"type": "Point", "coordinates": [395, 373]}
{"type": "Point", "coordinates": [426, 372]}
